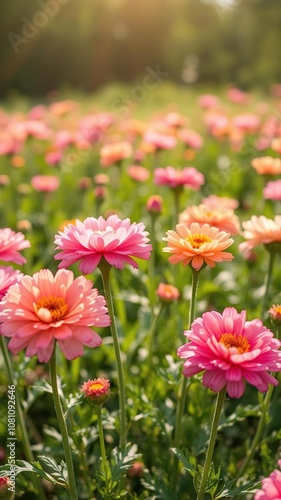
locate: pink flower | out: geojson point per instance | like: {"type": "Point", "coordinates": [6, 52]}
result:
{"type": "Point", "coordinates": [260, 231]}
{"type": "Point", "coordinates": [5, 482]}
{"type": "Point", "coordinates": [96, 391]}
{"type": "Point", "coordinates": [10, 245]}
{"type": "Point", "coordinates": [159, 140]}
{"type": "Point", "coordinates": [154, 204]}
{"type": "Point", "coordinates": [53, 157]}
{"type": "Point", "coordinates": [44, 308]}
{"type": "Point", "coordinates": [45, 183]}
{"type": "Point", "coordinates": [173, 178]}
{"type": "Point", "coordinates": [64, 138]}
{"type": "Point", "coordinates": [191, 138]}
{"type": "Point", "coordinates": [271, 486]}
{"type": "Point", "coordinates": [247, 122]}
{"type": "Point", "coordinates": [8, 276]}
{"type": "Point", "coordinates": [197, 245]}
{"type": "Point", "coordinates": [138, 173]}
{"type": "Point", "coordinates": [114, 239]}
{"type": "Point", "coordinates": [237, 96]}
{"type": "Point", "coordinates": [208, 101]}
{"type": "Point", "coordinates": [272, 190]}
{"type": "Point", "coordinates": [230, 351]}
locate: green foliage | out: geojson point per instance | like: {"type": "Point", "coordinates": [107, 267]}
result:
{"type": "Point", "coordinates": [145, 470]}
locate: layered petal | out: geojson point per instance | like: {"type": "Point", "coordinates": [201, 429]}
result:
{"type": "Point", "coordinates": [52, 308]}
{"type": "Point", "coordinates": [231, 351]}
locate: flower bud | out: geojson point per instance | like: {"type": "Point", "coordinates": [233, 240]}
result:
{"type": "Point", "coordinates": [154, 204]}
{"type": "Point", "coordinates": [5, 483]}
{"type": "Point", "coordinates": [275, 313]}
{"type": "Point", "coordinates": [96, 391]}
{"type": "Point", "coordinates": [167, 293]}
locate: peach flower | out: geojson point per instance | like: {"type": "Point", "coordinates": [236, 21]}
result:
{"type": "Point", "coordinates": [260, 231]}
{"type": "Point", "coordinates": [223, 219]}
{"type": "Point", "coordinates": [138, 173]}
{"type": "Point", "coordinates": [198, 245]}
{"type": "Point", "coordinates": [167, 293]}
{"type": "Point", "coordinates": [112, 154]}
{"type": "Point", "coordinates": [267, 165]}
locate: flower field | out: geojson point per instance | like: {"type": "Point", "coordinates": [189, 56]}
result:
{"type": "Point", "coordinates": [140, 295]}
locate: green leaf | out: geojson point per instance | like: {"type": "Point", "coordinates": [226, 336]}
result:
{"type": "Point", "coordinates": [36, 468]}
{"type": "Point", "coordinates": [230, 489]}
{"type": "Point", "coordinates": [188, 463]}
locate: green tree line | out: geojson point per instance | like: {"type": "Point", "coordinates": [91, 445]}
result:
{"type": "Point", "coordinates": [90, 43]}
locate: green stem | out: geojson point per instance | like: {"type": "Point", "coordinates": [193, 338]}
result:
{"type": "Point", "coordinates": [20, 416]}
{"type": "Point", "coordinates": [152, 336]}
{"type": "Point", "coordinates": [105, 270]}
{"type": "Point", "coordinates": [63, 427]}
{"type": "Point", "coordinates": [177, 194]}
{"type": "Point", "coordinates": [102, 447]}
{"type": "Point", "coordinates": [182, 396]}
{"type": "Point", "coordinates": [119, 303]}
{"type": "Point", "coordinates": [258, 434]}
{"type": "Point", "coordinates": [268, 281]}
{"type": "Point", "coordinates": [152, 293]}
{"type": "Point", "coordinates": [210, 451]}
{"type": "Point", "coordinates": [267, 398]}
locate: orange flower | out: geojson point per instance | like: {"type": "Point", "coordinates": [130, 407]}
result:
{"type": "Point", "coordinates": [267, 165]}
{"type": "Point", "coordinates": [198, 245]}
{"type": "Point", "coordinates": [224, 220]}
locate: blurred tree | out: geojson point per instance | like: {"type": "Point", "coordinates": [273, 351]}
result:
{"type": "Point", "coordinates": [50, 43]}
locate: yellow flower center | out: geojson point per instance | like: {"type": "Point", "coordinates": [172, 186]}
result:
{"type": "Point", "coordinates": [97, 386]}
{"type": "Point", "coordinates": [231, 340]}
{"type": "Point", "coordinates": [197, 240]}
{"type": "Point", "coordinates": [51, 308]}
{"type": "Point", "coordinates": [277, 309]}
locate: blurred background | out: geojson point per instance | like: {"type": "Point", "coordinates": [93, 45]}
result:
{"type": "Point", "coordinates": [86, 44]}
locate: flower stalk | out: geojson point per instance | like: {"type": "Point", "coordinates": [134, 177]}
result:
{"type": "Point", "coordinates": [105, 270]}
{"type": "Point", "coordinates": [210, 451]}
{"type": "Point", "coordinates": [102, 448]}
{"type": "Point", "coordinates": [182, 395]}
{"type": "Point", "coordinates": [266, 401]}
{"type": "Point", "coordinates": [63, 427]}
{"type": "Point", "coordinates": [20, 416]}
